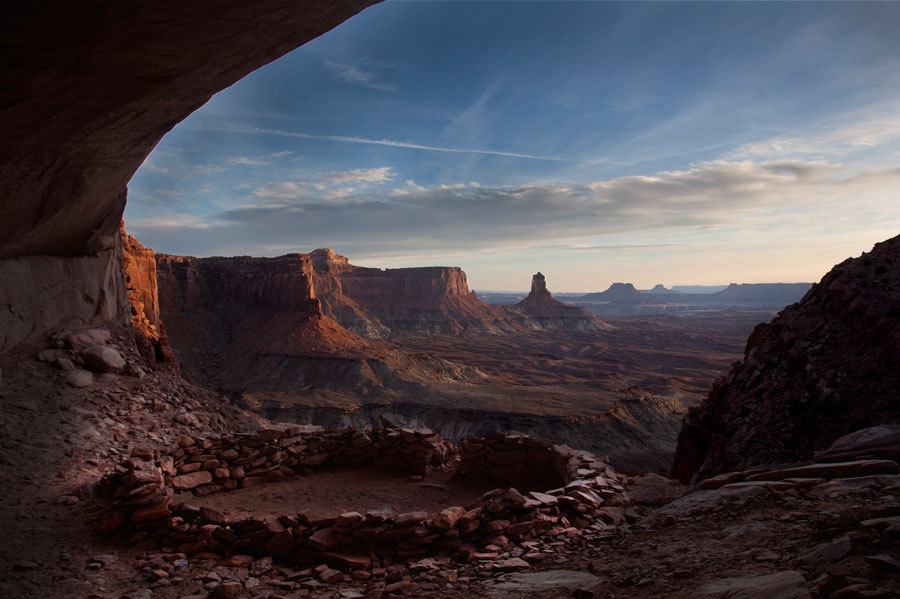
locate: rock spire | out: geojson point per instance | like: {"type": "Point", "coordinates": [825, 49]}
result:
{"type": "Point", "coordinates": [539, 285]}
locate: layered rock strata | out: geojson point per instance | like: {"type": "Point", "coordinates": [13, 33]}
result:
{"type": "Point", "coordinates": [822, 368]}
{"type": "Point", "coordinates": [256, 325]}
{"type": "Point", "coordinates": [228, 314]}
{"type": "Point", "coordinates": [378, 303]}
{"type": "Point", "coordinates": [540, 310]}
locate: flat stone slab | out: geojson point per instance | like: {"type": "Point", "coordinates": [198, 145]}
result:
{"type": "Point", "coordinates": [789, 584]}
{"type": "Point", "coordinates": [874, 440]}
{"type": "Point", "coordinates": [830, 470]}
{"type": "Point", "coordinates": [859, 482]}
{"type": "Point", "coordinates": [184, 482]}
{"type": "Point", "coordinates": [533, 582]}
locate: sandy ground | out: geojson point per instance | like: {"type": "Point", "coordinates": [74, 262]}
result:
{"type": "Point", "coordinates": [333, 493]}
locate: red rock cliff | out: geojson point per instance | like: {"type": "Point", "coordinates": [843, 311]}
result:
{"type": "Point", "coordinates": [141, 286]}
{"type": "Point", "coordinates": [254, 327]}
{"type": "Point", "coordinates": [282, 283]}
{"type": "Point", "coordinates": [822, 368]}
{"type": "Point", "coordinates": [379, 302]}
{"type": "Point", "coordinates": [220, 308]}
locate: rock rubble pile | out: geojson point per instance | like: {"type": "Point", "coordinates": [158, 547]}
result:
{"type": "Point", "coordinates": [146, 511]}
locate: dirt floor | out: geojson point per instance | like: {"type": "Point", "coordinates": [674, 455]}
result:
{"type": "Point", "coordinates": [332, 493]}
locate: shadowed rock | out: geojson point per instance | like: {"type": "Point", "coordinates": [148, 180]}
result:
{"type": "Point", "coordinates": [824, 367]}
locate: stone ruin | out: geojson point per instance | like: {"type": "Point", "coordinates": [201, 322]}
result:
{"type": "Point", "coordinates": [145, 512]}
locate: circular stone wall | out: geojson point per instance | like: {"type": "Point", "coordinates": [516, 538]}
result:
{"type": "Point", "coordinates": [151, 496]}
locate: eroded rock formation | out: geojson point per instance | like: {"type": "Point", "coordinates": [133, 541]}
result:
{"type": "Point", "coordinates": [540, 310]}
{"type": "Point", "coordinates": [89, 89]}
{"type": "Point", "coordinates": [256, 326]}
{"type": "Point", "coordinates": [377, 303]}
{"type": "Point", "coordinates": [824, 367]}
{"type": "Point", "coordinates": [224, 312]}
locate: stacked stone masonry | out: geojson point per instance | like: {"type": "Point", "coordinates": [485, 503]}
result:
{"type": "Point", "coordinates": [143, 510]}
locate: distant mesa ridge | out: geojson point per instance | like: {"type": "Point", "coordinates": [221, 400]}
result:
{"type": "Point", "coordinates": [541, 310]}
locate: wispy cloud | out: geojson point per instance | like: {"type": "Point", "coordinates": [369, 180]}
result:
{"type": "Point", "coordinates": [331, 186]}
{"type": "Point", "coordinates": [448, 217]}
{"type": "Point", "coordinates": [245, 160]}
{"type": "Point", "coordinates": [355, 75]}
{"type": "Point", "coordinates": [149, 165]}
{"type": "Point", "coordinates": [829, 143]}
{"type": "Point", "coordinates": [408, 145]}
{"type": "Point", "coordinates": [381, 174]}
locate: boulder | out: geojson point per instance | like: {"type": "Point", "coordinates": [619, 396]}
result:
{"type": "Point", "coordinates": [102, 359]}
{"type": "Point", "coordinates": [79, 378]}
{"type": "Point", "coordinates": [512, 564]}
{"type": "Point", "coordinates": [655, 490]}
{"type": "Point", "coordinates": [188, 481]}
{"type": "Point", "coordinates": [281, 544]}
{"type": "Point", "coordinates": [330, 576]}
{"type": "Point", "coordinates": [448, 518]}
{"type": "Point", "coordinates": [882, 441]}
{"type": "Point", "coordinates": [325, 539]}
{"type": "Point", "coordinates": [351, 560]}
{"type": "Point", "coordinates": [88, 338]}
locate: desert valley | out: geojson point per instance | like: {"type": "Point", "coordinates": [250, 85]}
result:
{"type": "Point", "coordinates": [387, 423]}
{"type": "Point", "coordinates": [312, 339]}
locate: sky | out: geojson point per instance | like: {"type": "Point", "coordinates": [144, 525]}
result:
{"type": "Point", "coordinates": [669, 142]}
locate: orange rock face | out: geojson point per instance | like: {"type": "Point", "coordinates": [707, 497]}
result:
{"type": "Point", "coordinates": [824, 367]}
{"type": "Point", "coordinates": [139, 263]}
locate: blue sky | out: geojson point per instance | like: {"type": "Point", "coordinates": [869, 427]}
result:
{"type": "Point", "coordinates": [675, 143]}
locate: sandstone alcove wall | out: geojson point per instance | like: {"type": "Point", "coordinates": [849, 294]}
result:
{"type": "Point", "coordinates": [89, 88]}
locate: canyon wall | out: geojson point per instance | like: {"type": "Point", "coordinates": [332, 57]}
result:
{"type": "Point", "coordinates": [255, 325]}
{"type": "Point", "coordinates": [822, 368]}
{"type": "Point", "coordinates": [89, 89]}
{"type": "Point", "coordinates": [141, 286]}
{"type": "Point", "coordinates": [282, 283]}
{"type": "Point", "coordinates": [42, 294]}
{"type": "Point", "coordinates": [378, 303]}
{"type": "Point", "coordinates": [226, 314]}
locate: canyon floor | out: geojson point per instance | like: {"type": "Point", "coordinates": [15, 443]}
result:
{"type": "Point", "coordinates": [620, 393]}
{"type": "Point", "coordinates": [836, 539]}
